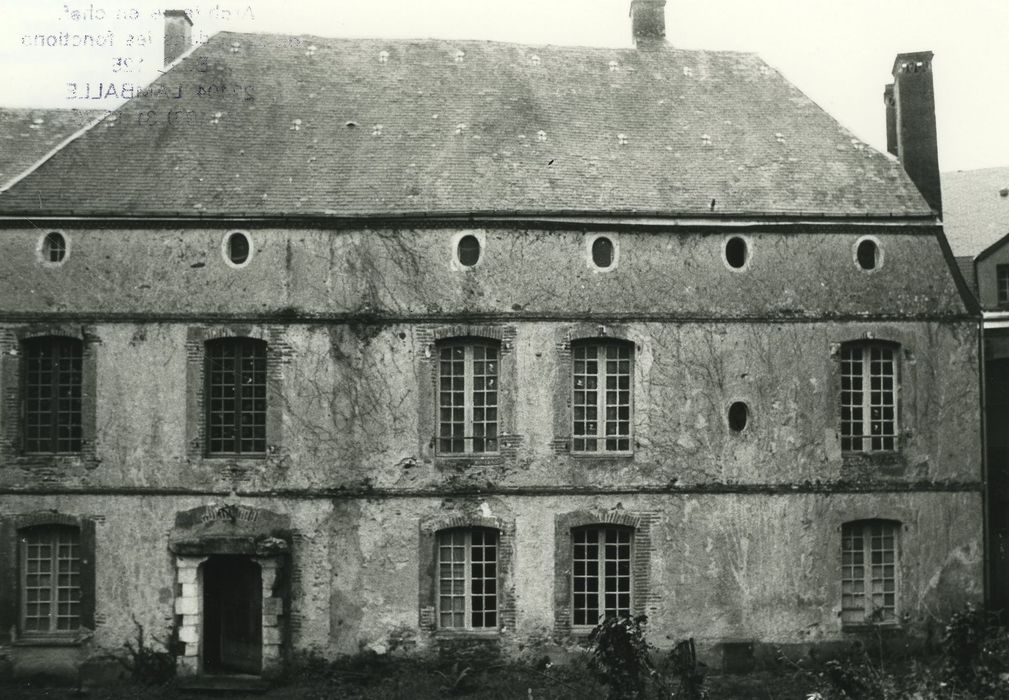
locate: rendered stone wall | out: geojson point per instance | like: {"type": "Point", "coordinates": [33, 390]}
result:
{"type": "Point", "coordinates": [173, 272]}
{"type": "Point", "coordinates": [743, 528]}
{"type": "Point", "coordinates": [356, 409]}
{"type": "Point", "coordinates": [756, 567]}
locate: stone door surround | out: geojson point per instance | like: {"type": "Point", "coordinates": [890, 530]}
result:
{"type": "Point", "coordinates": [260, 535]}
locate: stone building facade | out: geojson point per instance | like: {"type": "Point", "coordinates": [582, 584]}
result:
{"type": "Point", "coordinates": [433, 343]}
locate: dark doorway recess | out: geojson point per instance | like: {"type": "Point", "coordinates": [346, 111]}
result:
{"type": "Point", "coordinates": [232, 615]}
{"type": "Point", "coordinates": [997, 399]}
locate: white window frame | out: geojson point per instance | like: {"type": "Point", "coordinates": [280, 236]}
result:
{"type": "Point", "coordinates": [469, 392]}
{"type": "Point", "coordinates": [1002, 283]}
{"type": "Point", "coordinates": [55, 536]}
{"type": "Point", "coordinates": [868, 403]}
{"type": "Point", "coordinates": [602, 544]}
{"type": "Point", "coordinates": [444, 539]}
{"type": "Point", "coordinates": [601, 403]}
{"type": "Point", "coordinates": [855, 585]}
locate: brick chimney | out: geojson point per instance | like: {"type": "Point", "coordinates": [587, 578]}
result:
{"type": "Point", "coordinates": [648, 21]}
{"type": "Point", "coordinates": [914, 124]}
{"type": "Point", "coordinates": [178, 34]}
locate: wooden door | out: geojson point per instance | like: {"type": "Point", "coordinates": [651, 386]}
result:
{"type": "Point", "coordinates": [233, 615]}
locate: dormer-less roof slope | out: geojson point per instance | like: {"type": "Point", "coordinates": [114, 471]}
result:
{"type": "Point", "coordinates": [26, 135]}
{"type": "Point", "coordinates": [975, 214]}
{"type": "Point", "coordinates": [260, 125]}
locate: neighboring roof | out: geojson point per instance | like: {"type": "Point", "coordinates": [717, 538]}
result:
{"type": "Point", "coordinates": [26, 135]}
{"type": "Point", "coordinates": [966, 265]}
{"type": "Point", "coordinates": [995, 245]}
{"type": "Point", "coordinates": [975, 214]}
{"type": "Point", "coordinates": [274, 125]}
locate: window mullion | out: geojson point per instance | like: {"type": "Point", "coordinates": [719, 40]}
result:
{"type": "Point", "coordinates": [867, 570]}
{"type": "Point", "coordinates": [866, 399]}
{"type": "Point", "coordinates": [600, 577]}
{"type": "Point", "coordinates": [467, 427]}
{"type": "Point", "coordinates": [237, 438]}
{"type": "Point", "coordinates": [54, 594]}
{"type": "Point", "coordinates": [53, 541]}
{"type": "Point", "coordinates": [468, 585]}
{"type": "Point", "coordinates": [601, 397]}
{"type": "Point", "coordinates": [54, 400]}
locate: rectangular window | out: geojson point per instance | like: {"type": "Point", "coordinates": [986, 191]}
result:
{"type": "Point", "coordinates": [868, 572]}
{"type": "Point", "coordinates": [467, 399]}
{"type": "Point", "coordinates": [868, 398]}
{"type": "Point", "coordinates": [601, 577]}
{"type": "Point", "coordinates": [236, 396]}
{"type": "Point", "coordinates": [1002, 278]}
{"type": "Point", "coordinates": [50, 580]}
{"type": "Point", "coordinates": [601, 404]}
{"type": "Point", "coordinates": [467, 578]}
{"type": "Point", "coordinates": [52, 395]}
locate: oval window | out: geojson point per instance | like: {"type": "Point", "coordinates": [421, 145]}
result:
{"type": "Point", "coordinates": [739, 414]}
{"type": "Point", "coordinates": [867, 254]}
{"type": "Point", "coordinates": [238, 248]}
{"type": "Point", "coordinates": [602, 252]}
{"type": "Point", "coordinates": [735, 252]}
{"type": "Point", "coordinates": [469, 250]}
{"type": "Point", "coordinates": [54, 247]}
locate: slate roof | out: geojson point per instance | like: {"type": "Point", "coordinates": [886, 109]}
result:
{"type": "Point", "coordinates": [26, 135]}
{"type": "Point", "coordinates": [975, 215]}
{"type": "Point", "coordinates": [375, 127]}
{"type": "Point", "coordinates": [966, 265]}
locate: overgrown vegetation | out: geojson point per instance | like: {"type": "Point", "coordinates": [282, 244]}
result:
{"type": "Point", "coordinates": [625, 663]}
{"type": "Point", "coordinates": [148, 665]}
{"type": "Point", "coordinates": [971, 663]}
{"type": "Point", "coordinates": [968, 659]}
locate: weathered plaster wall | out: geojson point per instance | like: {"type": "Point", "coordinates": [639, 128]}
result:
{"type": "Point", "coordinates": [136, 575]}
{"type": "Point", "coordinates": [520, 272]}
{"type": "Point", "coordinates": [719, 567]}
{"type": "Point", "coordinates": [743, 527]}
{"type": "Point", "coordinates": [358, 406]}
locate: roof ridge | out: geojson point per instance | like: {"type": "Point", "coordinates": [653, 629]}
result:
{"type": "Point", "coordinates": [497, 42]}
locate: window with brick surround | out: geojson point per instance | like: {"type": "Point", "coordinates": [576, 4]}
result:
{"type": "Point", "coordinates": [601, 400]}
{"type": "Point", "coordinates": [869, 389]}
{"type": "Point", "coordinates": [235, 396]}
{"type": "Point", "coordinates": [869, 572]}
{"type": "Point", "coordinates": [1002, 280]}
{"type": "Point", "coordinates": [50, 580]}
{"type": "Point", "coordinates": [601, 575]}
{"type": "Point", "coordinates": [52, 395]}
{"type": "Point", "coordinates": [48, 590]}
{"type": "Point", "coordinates": [468, 397]}
{"type": "Point", "coordinates": [467, 578]}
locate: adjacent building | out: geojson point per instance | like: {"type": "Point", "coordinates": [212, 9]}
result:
{"type": "Point", "coordinates": [977, 222]}
{"type": "Point", "coordinates": [332, 344]}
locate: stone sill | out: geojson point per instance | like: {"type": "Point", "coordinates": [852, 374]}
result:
{"type": "Point", "coordinates": [41, 460]}
{"type": "Point", "coordinates": [463, 461]}
{"type": "Point", "coordinates": [580, 635]}
{"type": "Point", "coordinates": [601, 456]}
{"type": "Point", "coordinates": [47, 642]}
{"type": "Point", "coordinates": [443, 633]}
{"type": "Point", "coordinates": [880, 627]}
{"type": "Point", "coordinates": [892, 458]}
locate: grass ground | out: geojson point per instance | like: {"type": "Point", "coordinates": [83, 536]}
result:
{"type": "Point", "coordinates": [511, 683]}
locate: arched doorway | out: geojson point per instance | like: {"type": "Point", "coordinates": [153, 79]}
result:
{"type": "Point", "coordinates": [232, 615]}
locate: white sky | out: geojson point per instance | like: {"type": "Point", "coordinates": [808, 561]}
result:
{"type": "Point", "coordinates": [839, 52]}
